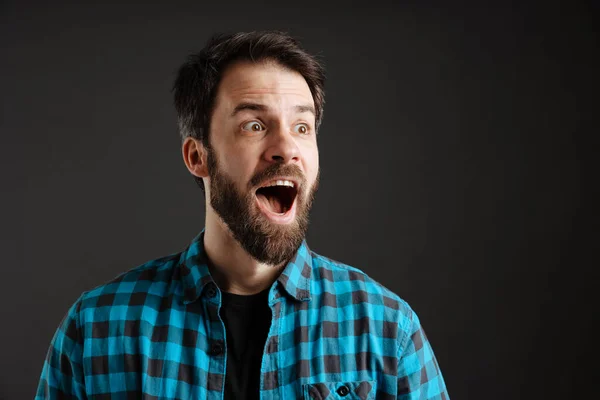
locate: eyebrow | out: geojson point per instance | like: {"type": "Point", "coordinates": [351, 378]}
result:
{"type": "Point", "coordinates": [261, 107]}
{"type": "Point", "coordinates": [306, 108]}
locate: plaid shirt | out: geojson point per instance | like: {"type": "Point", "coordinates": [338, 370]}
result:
{"type": "Point", "coordinates": [155, 332]}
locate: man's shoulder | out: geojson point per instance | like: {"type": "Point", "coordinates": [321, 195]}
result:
{"type": "Point", "coordinates": [338, 278]}
{"type": "Point", "coordinates": [152, 278]}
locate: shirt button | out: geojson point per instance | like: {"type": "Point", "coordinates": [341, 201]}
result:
{"type": "Point", "coordinates": [343, 390]}
{"type": "Point", "coordinates": [211, 292]}
{"type": "Point", "coordinates": [216, 348]}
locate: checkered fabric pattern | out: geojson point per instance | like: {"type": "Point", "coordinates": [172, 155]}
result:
{"type": "Point", "coordinates": [154, 332]}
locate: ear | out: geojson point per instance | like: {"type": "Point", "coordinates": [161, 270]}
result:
{"type": "Point", "coordinates": [194, 157]}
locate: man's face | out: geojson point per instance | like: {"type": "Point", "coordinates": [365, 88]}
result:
{"type": "Point", "coordinates": [263, 158]}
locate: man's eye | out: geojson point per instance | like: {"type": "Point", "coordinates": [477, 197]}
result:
{"type": "Point", "coordinates": [302, 129]}
{"type": "Point", "coordinates": [253, 126]}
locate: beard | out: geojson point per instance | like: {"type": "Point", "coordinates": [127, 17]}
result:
{"type": "Point", "coordinates": [265, 241]}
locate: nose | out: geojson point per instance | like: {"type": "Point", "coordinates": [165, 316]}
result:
{"type": "Point", "coordinates": [282, 147]}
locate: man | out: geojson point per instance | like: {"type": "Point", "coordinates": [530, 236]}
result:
{"type": "Point", "coordinates": [246, 311]}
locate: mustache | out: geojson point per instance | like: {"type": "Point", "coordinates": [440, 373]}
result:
{"type": "Point", "coordinates": [274, 170]}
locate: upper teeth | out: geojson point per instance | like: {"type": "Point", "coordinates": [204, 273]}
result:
{"type": "Point", "coordinates": [280, 183]}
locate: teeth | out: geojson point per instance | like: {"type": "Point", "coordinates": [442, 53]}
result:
{"type": "Point", "coordinates": [280, 183]}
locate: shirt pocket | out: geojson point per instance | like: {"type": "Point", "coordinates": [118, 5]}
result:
{"type": "Point", "coordinates": [357, 390]}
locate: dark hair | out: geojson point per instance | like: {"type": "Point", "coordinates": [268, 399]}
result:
{"type": "Point", "coordinates": [197, 80]}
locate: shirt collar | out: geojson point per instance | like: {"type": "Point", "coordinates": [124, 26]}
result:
{"type": "Point", "coordinates": [195, 274]}
{"type": "Point", "coordinates": [296, 275]}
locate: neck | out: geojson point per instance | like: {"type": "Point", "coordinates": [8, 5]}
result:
{"type": "Point", "coordinates": [232, 268]}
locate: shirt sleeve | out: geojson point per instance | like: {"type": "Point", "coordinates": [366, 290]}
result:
{"type": "Point", "coordinates": [419, 375]}
{"type": "Point", "coordinates": [62, 375]}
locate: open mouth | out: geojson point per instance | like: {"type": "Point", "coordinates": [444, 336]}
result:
{"type": "Point", "coordinates": [277, 196]}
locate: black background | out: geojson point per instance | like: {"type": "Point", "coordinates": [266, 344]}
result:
{"type": "Point", "coordinates": [453, 157]}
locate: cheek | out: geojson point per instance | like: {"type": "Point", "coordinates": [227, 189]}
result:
{"type": "Point", "coordinates": [312, 164]}
{"type": "Point", "coordinates": [239, 166]}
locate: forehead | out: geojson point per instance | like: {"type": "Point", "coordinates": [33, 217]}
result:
{"type": "Point", "coordinates": [265, 80]}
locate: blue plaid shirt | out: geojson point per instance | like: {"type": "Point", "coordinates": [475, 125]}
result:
{"type": "Point", "coordinates": [155, 332]}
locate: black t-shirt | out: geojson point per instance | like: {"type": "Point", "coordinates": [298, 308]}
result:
{"type": "Point", "coordinates": [247, 321]}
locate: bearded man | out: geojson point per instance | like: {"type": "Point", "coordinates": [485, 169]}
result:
{"type": "Point", "coordinates": [246, 311]}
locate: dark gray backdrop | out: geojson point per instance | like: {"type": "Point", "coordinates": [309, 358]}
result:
{"type": "Point", "coordinates": [451, 156]}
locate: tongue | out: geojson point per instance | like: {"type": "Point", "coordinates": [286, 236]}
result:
{"type": "Point", "coordinates": [271, 203]}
